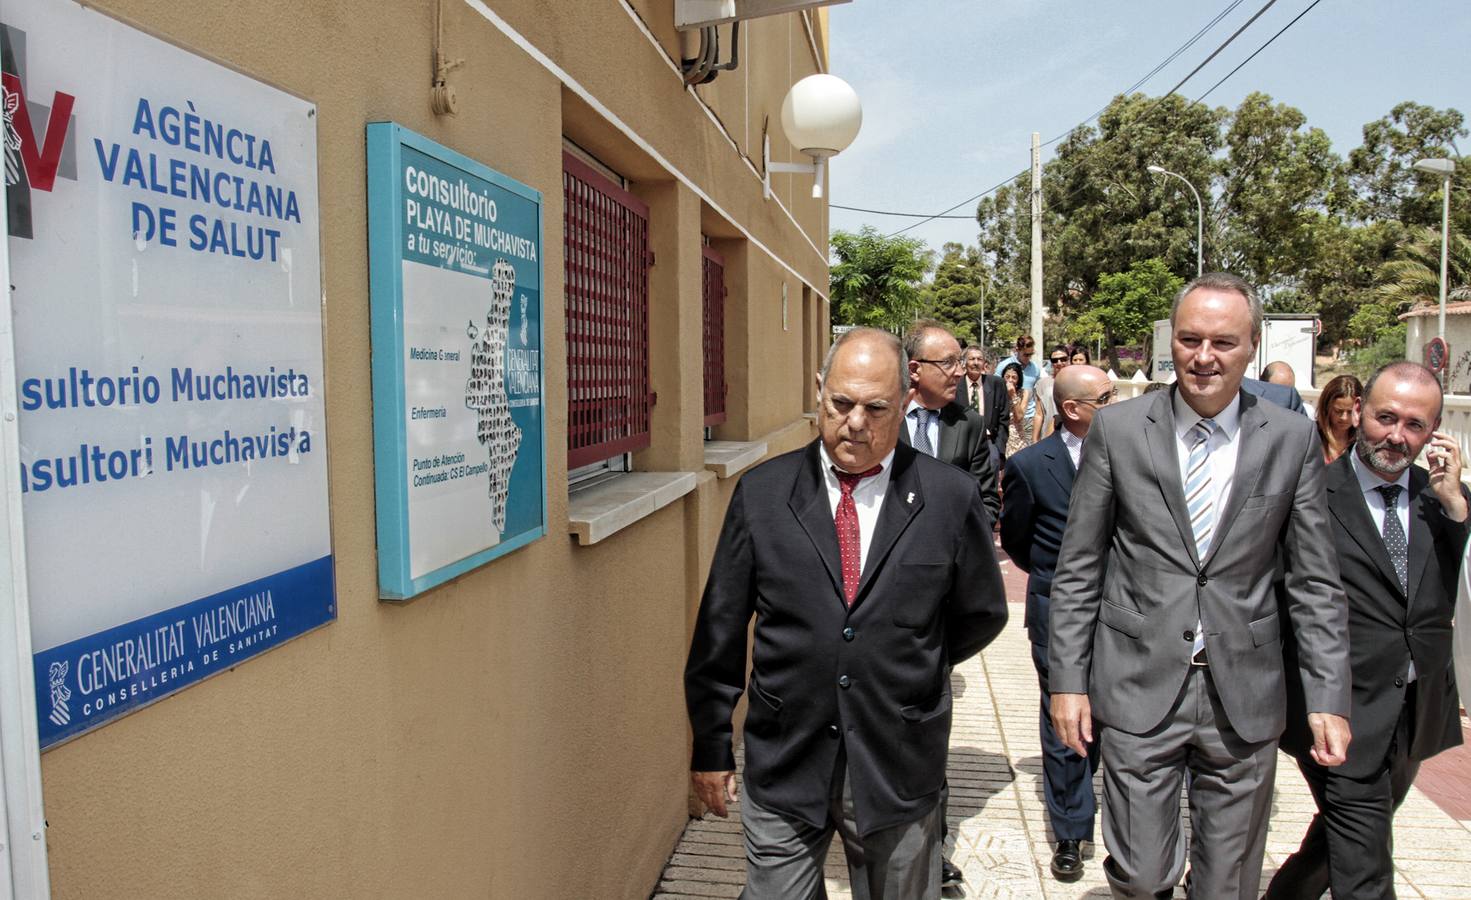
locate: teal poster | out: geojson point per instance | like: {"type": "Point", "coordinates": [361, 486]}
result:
{"type": "Point", "coordinates": [457, 361]}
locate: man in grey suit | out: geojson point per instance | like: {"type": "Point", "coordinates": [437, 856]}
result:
{"type": "Point", "coordinates": [1164, 624]}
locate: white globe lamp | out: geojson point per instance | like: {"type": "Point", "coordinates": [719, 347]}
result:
{"type": "Point", "coordinates": [821, 116]}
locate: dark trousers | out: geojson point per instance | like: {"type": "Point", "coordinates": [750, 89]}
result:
{"type": "Point", "coordinates": [1067, 778]}
{"type": "Point", "coordinates": [1349, 846]}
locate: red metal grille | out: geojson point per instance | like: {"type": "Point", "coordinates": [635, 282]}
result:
{"type": "Point", "coordinates": [607, 249]}
{"type": "Point", "coordinates": [714, 337]}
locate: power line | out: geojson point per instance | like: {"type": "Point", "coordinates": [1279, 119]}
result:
{"type": "Point", "coordinates": [885, 212]}
{"type": "Point", "coordinates": [1235, 34]}
{"type": "Point", "coordinates": [1156, 70]}
{"type": "Point", "coordinates": [1171, 58]}
{"type": "Point", "coordinates": [990, 190]}
{"type": "Point", "coordinates": [1258, 50]}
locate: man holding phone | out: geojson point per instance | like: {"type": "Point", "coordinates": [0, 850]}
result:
{"type": "Point", "coordinates": [1398, 532]}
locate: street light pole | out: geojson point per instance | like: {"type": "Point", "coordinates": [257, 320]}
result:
{"type": "Point", "coordinates": [1199, 219]}
{"type": "Point", "coordinates": [1445, 168]}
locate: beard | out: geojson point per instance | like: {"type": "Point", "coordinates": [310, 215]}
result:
{"type": "Point", "coordinates": [1372, 454]}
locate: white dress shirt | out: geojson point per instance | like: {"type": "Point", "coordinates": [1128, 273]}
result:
{"type": "Point", "coordinates": [980, 388]}
{"type": "Point", "coordinates": [1370, 483]}
{"type": "Point", "coordinates": [932, 430]}
{"type": "Point", "coordinates": [868, 499]}
{"type": "Point", "coordinates": [1223, 447]}
{"type": "Point", "coordinates": [1074, 446]}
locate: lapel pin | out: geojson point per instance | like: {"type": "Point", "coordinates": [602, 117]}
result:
{"type": "Point", "coordinates": [910, 498]}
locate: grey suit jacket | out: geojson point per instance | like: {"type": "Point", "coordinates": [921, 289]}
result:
{"type": "Point", "coordinates": [1129, 587]}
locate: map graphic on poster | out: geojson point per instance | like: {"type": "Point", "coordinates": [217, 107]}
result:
{"type": "Point", "coordinates": [485, 392]}
{"type": "Point", "coordinates": [457, 379]}
{"type": "Point", "coordinates": [165, 260]}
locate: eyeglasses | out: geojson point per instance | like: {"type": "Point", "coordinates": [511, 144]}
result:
{"type": "Point", "coordinates": [1101, 399]}
{"type": "Point", "coordinates": [948, 364]}
{"type": "Point", "coordinates": [1058, 359]}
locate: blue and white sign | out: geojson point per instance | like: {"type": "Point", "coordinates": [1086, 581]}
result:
{"type": "Point", "coordinates": [164, 250]}
{"type": "Point", "coordinates": [458, 426]}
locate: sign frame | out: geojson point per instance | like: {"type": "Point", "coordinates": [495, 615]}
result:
{"type": "Point", "coordinates": [386, 234]}
{"type": "Point", "coordinates": [142, 686]}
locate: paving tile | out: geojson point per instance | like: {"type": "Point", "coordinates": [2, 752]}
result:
{"type": "Point", "coordinates": [998, 824]}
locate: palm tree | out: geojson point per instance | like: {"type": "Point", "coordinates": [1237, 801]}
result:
{"type": "Point", "coordinates": [1412, 278]}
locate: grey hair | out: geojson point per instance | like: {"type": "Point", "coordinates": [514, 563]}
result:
{"type": "Point", "coordinates": [1407, 371]}
{"type": "Point", "coordinates": [876, 334]}
{"type": "Point", "coordinates": [977, 349]}
{"type": "Point", "coordinates": [1223, 281]}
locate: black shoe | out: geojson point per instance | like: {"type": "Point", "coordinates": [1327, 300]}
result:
{"type": "Point", "coordinates": [950, 874]}
{"type": "Point", "coordinates": [1067, 862]}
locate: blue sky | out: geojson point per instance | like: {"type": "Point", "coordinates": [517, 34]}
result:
{"type": "Point", "coordinates": [953, 89]}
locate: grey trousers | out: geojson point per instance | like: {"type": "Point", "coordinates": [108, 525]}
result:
{"type": "Point", "coordinates": [784, 856]}
{"type": "Point", "coordinates": [1230, 794]}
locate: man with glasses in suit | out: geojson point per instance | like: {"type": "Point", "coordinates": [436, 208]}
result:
{"type": "Point", "coordinates": [936, 422]}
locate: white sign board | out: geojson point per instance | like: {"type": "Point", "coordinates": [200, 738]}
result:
{"type": "Point", "coordinates": [165, 256]}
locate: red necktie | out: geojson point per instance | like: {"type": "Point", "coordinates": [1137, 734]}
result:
{"type": "Point", "coordinates": [850, 542]}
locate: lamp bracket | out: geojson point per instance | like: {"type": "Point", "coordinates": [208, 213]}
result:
{"type": "Point", "coordinates": [817, 168]}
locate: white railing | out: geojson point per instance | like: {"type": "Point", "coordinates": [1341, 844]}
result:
{"type": "Point", "coordinates": [1455, 420]}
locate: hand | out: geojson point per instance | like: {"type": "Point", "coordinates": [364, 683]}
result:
{"type": "Point", "coordinates": [1072, 719]}
{"type": "Point", "coordinates": [714, 789]}
{"type": "Point", "coordinates": [1443, 455]}
{"type": "Point", "coordinates": [1330, 739]}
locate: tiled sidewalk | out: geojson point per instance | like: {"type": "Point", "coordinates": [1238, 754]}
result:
{"type": "Point", "coordinates": [999, 824]}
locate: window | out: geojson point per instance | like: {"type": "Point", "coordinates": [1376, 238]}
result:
{"type": "Point", "coordinates": [714, 337]}
{"type": "Point", "coordinates": [607, 283]}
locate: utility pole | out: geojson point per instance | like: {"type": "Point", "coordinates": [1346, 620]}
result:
{"type": "Point", "coordinates": [1037, 239]}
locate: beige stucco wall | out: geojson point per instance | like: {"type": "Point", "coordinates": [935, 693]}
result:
{"type": "Point", "coordinates": [519, 732]}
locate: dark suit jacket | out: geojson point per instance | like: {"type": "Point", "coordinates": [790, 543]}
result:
{"type": "Point", "coordinates": [1280, 394]}
{"type": "Point", "coordinates": [873, 677]}
{"type": "Point", "coordinates": [963, 444]}
{"type": "Point", "coordinates": [997, 416]}
{"type": "Point", "coordinates": [1035, 492]}
{"type": "Point", "coordinates": [1386, 630]}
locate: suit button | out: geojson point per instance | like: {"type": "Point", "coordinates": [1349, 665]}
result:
{"type": "Point", "coordinates": [844, 681]}
{"type": "Point", "coordinates": [849, 634]}
{"type": "Point", "coordinates": [1399, 682]}
{"type": "Point", "coordinates": [832, 731]}
{"type": "Point", "coordinates": [1188, 635]}
{"type": "Point", "coordinates": [1202, 580]}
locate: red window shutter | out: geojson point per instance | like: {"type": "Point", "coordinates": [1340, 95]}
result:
{"type": "Point", "coordinates": [607, 284]}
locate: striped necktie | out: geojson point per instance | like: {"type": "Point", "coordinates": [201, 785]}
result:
{"type": "Point", "coordinates": [1200, 496]}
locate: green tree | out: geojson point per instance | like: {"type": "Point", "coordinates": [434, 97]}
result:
{"type": "Point", "coordinates": [1274, 190]}
{"type": "Point", "coordinates": [1382, 172]}
{"type": "Point", "coordinates": [876, 280]}
{"type": "Point", "coordinates": [954, 295]}
{"type": "Point", "coordinates": [1127, 304]}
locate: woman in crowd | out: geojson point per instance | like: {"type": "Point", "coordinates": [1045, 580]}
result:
{"type": "Point", "coordinates": [1080, 355]}
{"type": "Point", "coordinates": [1012, 376]}
{"type": "Point", "coordinates": [1338, 415]}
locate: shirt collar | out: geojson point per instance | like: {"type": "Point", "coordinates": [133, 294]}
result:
{"type": "Point", "coordinates": [1228, 420]}
{"type": "Point", "coordinates": [1368, 481]}
{"type": "Point", "coordinates": [828, 465]}
{"type": "Point", "coordinates": [1072, 440]}
{"type": "Point", "coordinates": [915, 404]}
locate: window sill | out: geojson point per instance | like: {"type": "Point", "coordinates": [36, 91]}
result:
{"type": "Point", "coordinates": [727, 458]}
{"type": "Point", "coordinates": [603, 509]}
